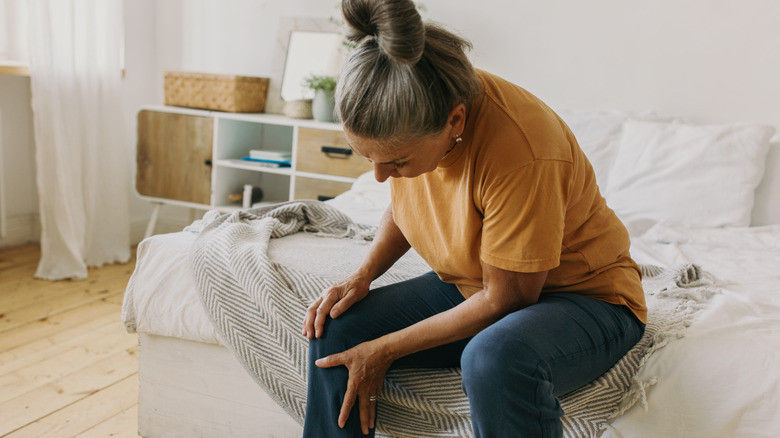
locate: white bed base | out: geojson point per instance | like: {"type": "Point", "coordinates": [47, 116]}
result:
{"type": "Point", "coordinates": [197, 390]}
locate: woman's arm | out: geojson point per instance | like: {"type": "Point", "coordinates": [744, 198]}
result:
{"type": "Point", "coordinates": [504, 292]}
{"type": "Point", "coordinates": [388, 246]}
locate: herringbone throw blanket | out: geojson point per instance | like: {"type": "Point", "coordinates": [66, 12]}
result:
{"type": "Point", "coordinates": [256, 285]}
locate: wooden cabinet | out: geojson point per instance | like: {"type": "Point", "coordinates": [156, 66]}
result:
{"type": "Point", "coordinates": [194, 158]}
{"type": "Point", "coordinates": [174, 156]}
{"type": "Point", "coordinates": [327, 152]}
{"type": "Point", "coordinates": [312, 188]}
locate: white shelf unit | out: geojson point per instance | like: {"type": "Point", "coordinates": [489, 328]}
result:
{"type": "Point", "coordinates": [234, 135]}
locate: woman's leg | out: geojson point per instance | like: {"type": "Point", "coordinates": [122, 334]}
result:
{"type": "Point", "coordinates": [383, 311]}
{"type": "Point", "coordinates": [514, 370]}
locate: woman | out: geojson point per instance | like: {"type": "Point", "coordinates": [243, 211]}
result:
{"type": "Point", "coordinates": [533, 292]}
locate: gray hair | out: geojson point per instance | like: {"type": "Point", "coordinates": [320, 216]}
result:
{"type": "Point", "coordinates": [404, 76]}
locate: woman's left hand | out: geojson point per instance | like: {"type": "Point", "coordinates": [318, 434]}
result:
{"type": "Point", "coordinates": [367, 364]}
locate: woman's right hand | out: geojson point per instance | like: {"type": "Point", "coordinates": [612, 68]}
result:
{"type": "Point", "coordinates": [333, 302]}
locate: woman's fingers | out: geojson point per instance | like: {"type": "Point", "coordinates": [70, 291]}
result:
{"type": "Point", "coordinates": [345, 303]}
{"type": "Point", "coordinates": [349, 401]}
{"type": "Point", "coordinates": [331, 297]}
{"type": "Point", "coordinates": [316, 314]}
{"type": "Point", "coordinates": [366, 376]}
{"type": "Point", "coordinates": [332, 360]}
{"type": "Point", "coordinates": [372, 410]}
{"type": "Point", "coordinates": [365, 406]}
{"type": "Point", "coordinates": [333, 302]}
{"type": "Point", "coordinates": [308, 320]}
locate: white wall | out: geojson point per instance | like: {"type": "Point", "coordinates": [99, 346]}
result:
{"type": "Point", "coordinates": [225, 36]}
{"type": "Point", "coordinates": [704, 60]}
{"type": "Point", "coordinates": [710, 60]}
{"type": "Point", "coordinates": [18, 164]}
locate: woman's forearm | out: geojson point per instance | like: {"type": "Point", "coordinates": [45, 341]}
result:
{"type": "Point", "coordinates": [389, 245]}
{"type": "Point", "coordinates": [504, 292]}
{"type": "Point", "coordinates": [462, 321]}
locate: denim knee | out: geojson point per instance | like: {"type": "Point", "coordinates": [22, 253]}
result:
{"type": "Point", "coordinates": [510, 390]}
{"type": "Point", "coordinates": [487, 365]}
{"type": "Point", "coordinates": [481, 367]}
{"type": "Point", "coordinates": [338, 335]}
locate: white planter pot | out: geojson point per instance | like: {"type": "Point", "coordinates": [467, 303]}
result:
{"type": "Point", "coordinates": [322, 106]}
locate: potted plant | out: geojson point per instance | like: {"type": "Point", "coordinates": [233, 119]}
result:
{"type": "Point", "coordinates": [323, 105]}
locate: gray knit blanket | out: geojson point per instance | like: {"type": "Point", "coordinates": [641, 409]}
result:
{"type": "Point", "coordinates": [258, 270]}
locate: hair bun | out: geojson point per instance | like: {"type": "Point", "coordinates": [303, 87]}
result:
{"type": "Point", "coordinates": [395, 25]}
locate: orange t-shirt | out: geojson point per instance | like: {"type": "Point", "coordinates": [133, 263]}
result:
{"type": "Point", "coordinates": [519, 194]}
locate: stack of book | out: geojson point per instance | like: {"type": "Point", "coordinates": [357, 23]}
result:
{"type": "Point", "coordinates": [269, 158]}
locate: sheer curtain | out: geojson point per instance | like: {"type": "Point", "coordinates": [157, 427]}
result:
{"type": "Point", "coordinates": [82, 160]}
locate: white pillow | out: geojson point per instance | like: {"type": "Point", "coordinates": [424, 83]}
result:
{"type": "Point", "coordinates": [598, 134]}
{"type": "Point", "coordinates": [366, 201]}
{"type": "Point", "coordinates": [702, 175]}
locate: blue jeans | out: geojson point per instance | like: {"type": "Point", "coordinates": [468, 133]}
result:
{"type": "Point", "coordinates": [513, 370]}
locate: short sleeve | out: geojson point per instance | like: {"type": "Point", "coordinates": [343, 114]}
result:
{"type": "Point", "coordinates": [524, 216]}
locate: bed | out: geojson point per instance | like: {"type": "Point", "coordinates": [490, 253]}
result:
{"type": "Point", "coordinates": [700, 203]}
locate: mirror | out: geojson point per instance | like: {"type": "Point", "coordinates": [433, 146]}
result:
{"type": "Point", "coordinates": [304, 46]}
{"type": "Point", "coordinates": [309, 53]}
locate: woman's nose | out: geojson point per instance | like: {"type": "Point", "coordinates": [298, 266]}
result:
{"type": "Point", "coordinates": [382, 172]}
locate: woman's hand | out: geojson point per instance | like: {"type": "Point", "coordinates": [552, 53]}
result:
{"type": "Point", "coordinates": [334, 301]}
{"type": "Point", "coordinates": [367, 364]}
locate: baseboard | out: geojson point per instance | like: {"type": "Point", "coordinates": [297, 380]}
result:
{"type": "Point", "coordinates": [21, 229]}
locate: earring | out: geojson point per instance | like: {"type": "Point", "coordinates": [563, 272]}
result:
{"type": "Point", "coordinates": [458, 139]}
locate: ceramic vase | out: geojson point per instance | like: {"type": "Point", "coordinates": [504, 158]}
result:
{"type": "Point", "coordinates": [323, 105]}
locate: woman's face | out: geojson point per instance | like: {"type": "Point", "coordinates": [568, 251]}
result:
{"type": "Point", "coordinates": [407, 159]}
{"type": "Point", "coordinates": [410, 158]}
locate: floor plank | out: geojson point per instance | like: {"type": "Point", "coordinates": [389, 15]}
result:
{"type": "Point", "coordinates": [91, 348]}
{"type": "Point", "coordinates": [33, 405]}
{"type": "Point", "coordinates": [54, 325]}
{"type": "Point", "coordinates": [68, 367]}
{"type": "Point", "coordinates": [25, 256]}
{"type": "Point", "coordinates": [121, 425]}
{"type": "Point", "coordinates": [81, 416]}
{"type": "Point", "coordinates": [57, 298]}
{"type": "Point", "coordinates": [42, 348]}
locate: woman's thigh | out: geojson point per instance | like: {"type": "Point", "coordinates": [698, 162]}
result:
{"type": "Point", "coordinates": [575, 337]}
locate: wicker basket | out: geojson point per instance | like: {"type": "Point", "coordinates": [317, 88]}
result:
{"type": "Point", "coordinates": [237, 94]}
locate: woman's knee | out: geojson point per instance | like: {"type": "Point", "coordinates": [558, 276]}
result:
{"type": "Point", "coordinates": [488, 362]}
{"type": "Point", "coordinates": [338, 335]}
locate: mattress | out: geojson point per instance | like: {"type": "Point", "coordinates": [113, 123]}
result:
{"type": "Point", "coordinates": [720, 378]}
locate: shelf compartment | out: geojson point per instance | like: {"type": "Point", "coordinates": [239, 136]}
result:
{"type": "Point", "coordinates": [234, 163]}
{"type": "Point", "coordinates": [237, 137]}
{"type": "Point", "coordinates": [230, 180]}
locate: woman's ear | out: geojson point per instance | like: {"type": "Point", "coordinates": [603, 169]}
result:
{"type": "Point", "coordinates": [457, 119]}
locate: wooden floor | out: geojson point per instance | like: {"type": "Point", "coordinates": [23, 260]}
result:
{"type": "Point", "coordinates": [68, 368]}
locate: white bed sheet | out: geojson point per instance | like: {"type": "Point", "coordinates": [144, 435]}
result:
{"type": "Point", "coordinates": [721, 380]}
{"type": "Point", "coordinates": [161, 298]}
